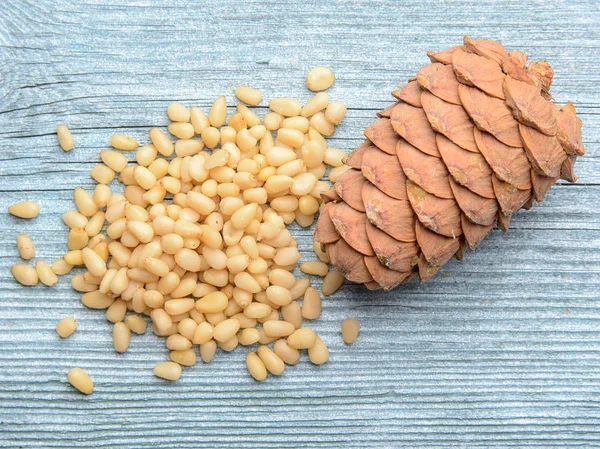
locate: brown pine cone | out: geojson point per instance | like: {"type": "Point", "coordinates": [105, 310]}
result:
{"type": "Point", "coordinates": [472, 139]}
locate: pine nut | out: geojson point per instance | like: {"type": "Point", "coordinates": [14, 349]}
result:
{"type": "Point", "coordinates": [123, 142]}
{"type": "Point", "coordinates": [178, 113]}
{"type": "Point", "coordinates": [332, 282]}
{"type": "Point", "coordinates": [185, 357]}
{"type": "Point", "coordinates": [45, 273]}
{"type": "Point", "coordinates": [291, 137]}
{"type": "Point", "coordinates": [24, 209]}
{"type": "Point", "coordinates": [93, 262]}
{"type": "Point", "coordinates": [272, 362]}
{"type": "Point", "coordinates": [248, 336]}
{"type": "Point", "coordinates": [286, 256]}
{"type": "Point", "coordinates": [167, 370]}
{"type": "Point", "coordinates": [177, 342]}
{"type": "Point", "coordinates": [66, 327]}
{"type": "Point", "coordinates": [287, 354]}
{"type": "Point", "coordinates": [95, 224]}
{"type": "Point", "coordinates": [251, 118]}
{"type": "Point", "coordinates": [311, 305]}
{"type": "Point", "coordinates": [80, 380]}
{"type": "Point", "coordinates": [102, 174]}
{"type": "Point", "coordinates": [24, 274]}
{"type": "Point", "coordinates": [314, 268]}
{"type": "Point", "coordinates": [318, 353]}
{"type": "Point", "coordinates": [257, 310]}
{"type": "Point", "coordinates": [272, 121]}
{"type": "Point", "coordinates": [96, 300]}
{"type": "Point", "coordinates": [212, 303]}
{"type": "Point", "coordinates": [121, 337]}
{"type": "Point", "coordinates": [226, 330]}
{"type": "Point", "coordinates": [321, 125]}
{"type": "Point", "coordinates": [302, 338]}
{"type": "Point", "coordinates": [85, 202]}
{"type": "Point", "coordinates": [181, 130]}
{"type": "Point", "coordinates": [335, 112]}
{"type": "Point", "coordinates": [207, 350]}
{"type": "Point", "coordinates": [161, 142]}
{"type": "Point", "coordinates": [256, 367]}
{"type": "Point", "coordinates": [334, 157]}
{"type": "Point", "coordinates": [248, 95]}
{"type": "Point", "coordinates": [218, 112]}
{"type": "Point", "coordinates": [299, 288]}
{"type": "Point", "coordinates": [136, 324]}
{"type": "Point", "coordinates": [65, 138]}
{"type": "Point", "coordinates": [287, 107]}
{"type": "Point", "coordinates": [61, 267]}
{"type": "Point", "coordinates": [204, 333]}
{"type": "Point", "coordinates": [277, 328]}
{"type": "Point", "coordinates": [292, 314]}
{"type": "Point", "coordinates": [315, 104]}
{"type": "Point", "coordinates": [144, 156]}
{"type": "Point", "coordinates": [319, 78]}
{"type": "Point", "coordinates": [278, 295]}
{"type": "Point", "coordinates": [161, 320]}
{"type": "Point", "coordinates": [78, 239]}
{"type": "Point", "coordinates": [199, 120]}
{"type": "Point", "coordinates": [25, 246]}
{"type": "Point", "coordinates": [350, 329]}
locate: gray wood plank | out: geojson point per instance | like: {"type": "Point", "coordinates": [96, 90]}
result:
{"type": "Point", "coordinates": [501, 352]}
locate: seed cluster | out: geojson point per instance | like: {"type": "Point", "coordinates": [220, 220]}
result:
{"type": "Point", "coordinates": [198, 239]}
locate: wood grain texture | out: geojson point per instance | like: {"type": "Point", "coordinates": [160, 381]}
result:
{"type": "Point", "coordinates": [502, 352]}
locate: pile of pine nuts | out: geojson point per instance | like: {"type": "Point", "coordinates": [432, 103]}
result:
{"type": "Point", "coordinates": [197, 241]}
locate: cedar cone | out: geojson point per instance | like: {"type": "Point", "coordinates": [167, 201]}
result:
{"type": "Point", "coordinates": [472, 139]}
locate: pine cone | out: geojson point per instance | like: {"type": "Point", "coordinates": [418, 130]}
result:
{"type": "Point", "coordinates": [472, 139]}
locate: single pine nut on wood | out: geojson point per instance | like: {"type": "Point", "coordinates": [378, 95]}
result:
{"type": "Point", "coordinates": [256, 367]}
{"type": "Point", "coordinates": [168, 370]}
{"type": "Point", "coordinates": [272, 362]}
{"type": "Point", "coordinates": [318, 353]}
{"type": "Point", "coordinates": [25, 274]}
{"type": "Point", "coordinates": [314, 268]}
{"type": "Point", "coordinates": [332, 282]}
{"type": "Point", "coordinates": [302, 338]}
{"type": "Point", "coordinates": [335, 112]}
{"type": "Point", "coordinates": [315, 104]}
{"type": "Point", "coordinates": [207, 350]}
{"type": "Point", "coordinates": [218, 112]}
{"type": "Point", "coordinates": [80, 380]}
{"type": "Point", "coordinates": [123, 142]}
{"type": "Point", "coordinates": [287, 107]}
{"type": "Point", "coordinates": [66, 327]}
{"type": "Point", "coordinates": [186, 357]}
{"type": "Point", "coordinates": [178, 112]}
{"type": "Point", "coordinates": [350, 329]}
{"type": "Point", "coordinates": [25, 246]}
{"type": "Point", "coordinates": [311, 305]}
{"type": "Point", "coordinates": [61, 267]}
{"type": "Point", "coordinates": [248, 95]}
{"type": "Point", "coordinates": [65, 138]}
{"type": "Point", "coordinates": [289, 355]}
{"type": "Point", "coordinates": [276, 328]}
{"type": "Point", "coordinates": [121, 337]}
{"type": "Point", "coordinates": [319, 78]}
{"type": "Point", "coordinates": [85, 202]}
{"type": "Point", "coordinates": [45, 273]}
{"type": "Point", "coordinates": [248, 336]}
{"type": "Point", "coordinates": [24, 209]}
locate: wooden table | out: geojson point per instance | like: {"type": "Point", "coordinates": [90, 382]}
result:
{"type": "Point", "coordinates": [501, 350]}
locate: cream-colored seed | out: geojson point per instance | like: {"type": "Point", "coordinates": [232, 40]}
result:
{"type": "Point", "coordinates": [319, 78]}
{"type": "Point", "coordinates": [336, 172]}
{"type": "Point", "coordinates": [315, 104]}
{"type": "Point", "coordinates": [299, 288]}
{"type": "Point", "coordinates": [45, 273]}
{"type": "Point", "coordinates": [289, 355]}
{"type": "Point", "coordinates": [332, 282]}
{"type": "Point", "coordinates": [61, 267]}
{"type": "Point", "coordinates": [318, 353]}
{"type": "Point", "coordinates": [65, 138]}
{"type": "Point", "coordinates": [161, 142]}
{"type": "Point", "coordinates": [121, 337]}
{"type": "Point", "coordinates": [212, 303]}
{"type": "Point", "coordinates": [278, 295]}
{"type": "Point", "coordinates": [85, 202]}
{"type": "Point", "coordinates": [185, 357]}
{"type": "Point", "coordinates": [80, 380]}
{"type": "Point", "coordinates": [123, 142]}
{"type": "Point", "coordinates": [287, 107]}
{"type": "Point", "coordinates": [101, 195]}
{"type": "Point", "coordinates": [74, 219]}
{"type": "Point", "coordinates": [256, 367]}
{"type": "Point", "coordinates": [168, 370]}
{"type": "Point", "coordinates": [77, 239]}
{"type": "Point", "coordinates": [308, 205]}
{"type": "Point", "coordinates": [272, 362]}
{"type": "Point", "coordinates": [178, 113]}
{"type": "Point", "coordinates": [145, 155]}
{"type": "Point", "coordinates": [335, 112]}
{"type": "Point", "coordinates": [199, 120]}
{"type": "Point", "coordinates": [321, 125]}
{"type": "Point", "coordinates": [290, 137]}
{"type": "Point", "coordinates": [181, 130]}
{"type": "Point", "coordinates": [218, 112]}
{"type": "Point", "coordinates": [66, 327]}
{"type": "Point", "coordinates": [314, 268]}
{"type": "Point", "coordinates": [25, 246]}
{"type": "Point", "coordinates": [272, 121]}
{"type": "Point", "coordinates": [24, 209]}
{"type": "Point", "coordinates": [95, 224]}
{"type": "Point", "coordinates": [248, 95]}
{"type": "Point", "coordinates": [248, 336]}
{"type": "Point", "coordinates": [278, 328]}
{"type": "Point", "coordinates": [162, 321]}
{"type": "Point", "coordinates": [311, 305]}
{"type": "Point", "coordinates": [136, 324]}
{"type": "Point", "coordinates": [93, 262]}
{"type": "Point", "coordinates": [251, 118]}
{"type": "Point", "coordinates": [334, 157]}
{"type": "Point", "coordinates": [188, 147]}
{"type": "Point", "coordinates": [25, 274]}
{"type": "Point", "coordinates": [302, 338]}
{"type": "Point", "coordinates": [350, 329]}
{"type": "Point", "coordinates": [257, 310]}
{"type": "Point", "coordinates": [102, 174]}
{"type": "Point", "coordinates": [292, 314]}
{"type": "Point", "coordinates": [203, 333]}
{"type": "Point", "coordinates": [207, 350]}
{"type": "Point", "coordinates": [211, 136]}
{"type": "Point", "coordinates": [226, 330]}
{"type": "Point", "coordinates": [177, 342]}
{"type": "Point", "coordinates": [74, 258]}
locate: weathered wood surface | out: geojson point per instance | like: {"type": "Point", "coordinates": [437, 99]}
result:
{"type": "Point", "coordinates": [503, 352]}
